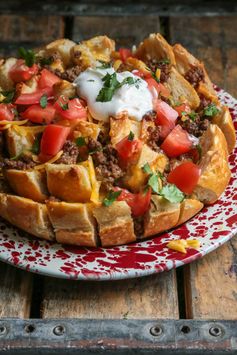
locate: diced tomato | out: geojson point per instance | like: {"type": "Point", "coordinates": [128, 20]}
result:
{"type": "Point", "coordinates": [166, 118]}
{"type": "Point", "coordinates": [125, 53]}
{"type": "Point", "coordinates": [47, 79]}
{"type": "Point", "coordinates": [142, 74]}
{"type": "Point", "coordinates": [139, 202]}
{"type": "Point", "coordinates": [128, 150]}
{"type": "Point", "coordinates": [34, 97]}
{"type": "Point", "coordinates": [158, 87]}
{"type": "Point", "coordinates": [37, 114]}
{"type": "Point", "coordinates": [182, 108]}
{"type": "Point", "coordinates": [7, 112]}
{"type": "Point", "coordinates": [70, 109]}
{"type": "Point", "coordinates": [177, 142]}
{"type": "Point", "coordinates": [53, 139]}
{"type": "Point", "coordinates": [185, 176]}
{"type": "Point", "coordinates": [21, 72]}
{"type": "Point", "coordinates": [195, 154]}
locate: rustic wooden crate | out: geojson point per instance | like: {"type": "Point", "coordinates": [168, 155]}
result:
{"type": "Point", "coordinates": [172, 311]}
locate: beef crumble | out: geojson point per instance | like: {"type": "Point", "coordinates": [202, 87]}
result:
{"type": "Point", "coordinates": [154, 138]}
{"type": "Point", "coordinates": [194, 75]}
{"type": "Point", "coordinates": [154, 64]}
{"type": "Point", "coordinates": [69, 74]}
{"type": "Point", "coordinates": [196, 127]}
{"type": "Point", "coordinates": [70, 153]}
{"type": "Point", "coordinates": [23, 163]}
{"type": "Point", "coordinates": [138, 226]}
{"type": "Point", "coordinates": [106, 163]}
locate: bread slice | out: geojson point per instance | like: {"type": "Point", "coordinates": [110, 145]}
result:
{"type": "Point", "coordinates": [73, 223]}
{"type": "Point", "coordinates": [120, 129]}
{"type": "Point", "coordinates": [115, 224]}
{"type": "Point", "coordinates": [225, 123]}
{"type": "Point", "coordinates": [69, 183]}
{"type": "Point", "coordinates": [5, 82]}
{"type": "Point", "coordinates": [188, 209]}
{"type": "Point", "coordinates": [162, 216]}
{"type": "Point", "coordinates": [181, 90]}
{"type": "Point", "coordinates": [215, 172]}
{"type": "Point", "coordinates": [155, 47]}
{"type": "Point", "coordinates": [28, 183]}
{"type": "Point", "coordinates": [63, 48]}
{"type": "Point", "coordinates": [26, 214]}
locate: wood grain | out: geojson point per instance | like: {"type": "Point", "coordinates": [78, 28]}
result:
{"type": "Point", "coordinates": [15, 292]}
{"type": "Point", "coordinates": [210, 283]}
{"type": "Point", "coordinates": [149, 297]}
{"type": "Point", "coordinates": [125, 30]}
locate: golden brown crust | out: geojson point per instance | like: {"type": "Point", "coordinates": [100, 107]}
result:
{"type": "Point", "coordinates": [28, 183]}
{"type": "Point", "coordinates": [69, 183]}
{"type": "Point", "coordinates": [73, 223]}
{"type": "Point", "coordinates": [5, 82]}
{"type": "Point", "coordinates": [225, 123]}
{"type": "Point", "coordinates": [63, 48]}
{"type": "Point", "coordinates": [181, 90]}
{"type": "Point", "coordinates": [188, 208]}
{"type": "Point", "coordinates": [162, 216]}
{"type": "Point", "coordinates": [215, 172]}
{"type": "Point", "coordinates": [115, 224]}
{"type": "Point", "coordinates": [26, 214]}
{"type": "Point", "coordinates": [155, 47]}
{"type": "Point", "coordinates": [119, 129]}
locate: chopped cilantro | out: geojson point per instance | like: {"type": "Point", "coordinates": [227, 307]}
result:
{"type": "Point", "coordinates": [27, 55]}
{"type": "Point", "coordinates": [46, 61]}
{"type": "Point", "coordinates": [104, 65]}
{"type": "Point", "coordinates": [153, 182]}
{"type": "Point", "coordinates": [91, 80]}
{"type": "Point", "coordinates": [131, 136]}
{"type": "Point", "coordinates": [63, 106]}
{"type": "Point", "coordinates": [80, 141]}
{"type": "Point", "coordinates": [211, 110]}
{"type": "Point", "coordinates": [111, 197]}
{"type": "Point", "coordinates": [147, 169]}
{"type": "Point", "coordinates": [171, 193]}
{"type": "Point", "coordinates": [43, 101]}
{"type": "Point", "coordinates": [164, 61]}
{"type": "Point", "coordinates": [8, 96]}
{"type": "Point", "coordinates": [36, 145]}
{"type": "Point", "coordinates": [183, 113]}
{"type": "Point", "coordinates": [192, 115]}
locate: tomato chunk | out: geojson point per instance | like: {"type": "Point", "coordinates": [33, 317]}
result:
{"type": "Point", "coordinates": [53, 139]}
{"type": "Point", "coordinates": [21, 72]}
{"type": "Point", "coordinates": [37, 114]}
{"type": "Point", "coordinates": [128, 150]}
{"type": "Point", "coordinates": [158, 87]}
{"type": "Point", "coordinates": [34, 97]}
{"type": "Point", "coordinates": [47, 79]}
{"type": "Point", "coordinates": [185, 176]}
{"type": "Point", "coordinates": [7, 112]}
{"type": "Point", "coordinates": [177, 142]}
{"type": "Point", "coordinates": [139, 202]}
{"type": "Point", "coordinates": [166, 118]}
{"type": "Point", "coordinates": [182, 108]}
{"type": "Point", "coordinates": [70, 109]}
{"type": "Point", "coordinates": [142, 74]}
{"type": "Point", "coordinates": [125, 53]}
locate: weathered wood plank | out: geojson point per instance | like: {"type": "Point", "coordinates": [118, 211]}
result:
{"type": "Point", "coordinates": [210, 283]}
{"type": "Point", "coordinates": [149, 297]}
{"type": "Point", "coordinates": [125, 30]}
{"type": "Point", "coordinates": [15, 292]}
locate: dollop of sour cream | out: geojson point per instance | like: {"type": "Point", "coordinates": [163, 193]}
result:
{"type": "Point", "coordinates": [136, 98]}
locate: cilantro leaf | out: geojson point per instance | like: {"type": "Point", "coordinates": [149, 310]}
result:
{"type": "Point", "coordinates": [164, 61]}
{"type": "Point", "coordinates": [211, 110]}
{"type": "Point", "coordinates": [171, 193]}
{"type": "Point", "coordinates": [80, 141]}
{"type": "Point", "coordinates": [27, 55]}
{"type": "Point", "coordinates": [46, 61]}
{"type": "Point", "coordinates": [153, 182]}
{"type": "Point", "coordinates": [192, 115]}
{"type": "Point", "coordinates": [131, 136]}
{"type": "Point", "coordinates": [36, 145]}
{"type": "Point", "coordinates": [63, 106]}
{"type": "Point", "coordinates": [8, 96]}
{"type": "Point", "coordinates": [43, 101]}
{"type": "Point", "coordinates": [147, 169]}
{"type": "Point", "coordinates": [104, 65]}
{"type": "Point", "coordinates": [111, 197]}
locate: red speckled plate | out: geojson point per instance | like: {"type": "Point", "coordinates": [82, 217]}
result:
{"type": "Point", "coordinates": [213, 226]}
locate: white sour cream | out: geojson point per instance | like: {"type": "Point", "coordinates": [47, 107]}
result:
{"type": "Point", "coordinates": [135, 99]}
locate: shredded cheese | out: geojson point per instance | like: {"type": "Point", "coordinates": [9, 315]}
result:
{"type": "Point", "coordinates": [158, 72]}
{"type": "Point", "coordinates": [94, 183]}
{"type": "Point", "coordinates": [5, 127]}
{"type": "Point", "coordinates": [50, 161]}
{"type": "Point", "coordinates": [182, 244]}
{"type": "Point", "coordinates": [117, 64]}
{"type": "Point", "coordinates": [13, 123]}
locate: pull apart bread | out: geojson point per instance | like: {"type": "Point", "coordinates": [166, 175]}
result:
{"type": "Point", "coordinates": [106, 147]}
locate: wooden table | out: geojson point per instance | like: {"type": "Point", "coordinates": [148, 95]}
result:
{"type": "Point", "coordinates": [166, 311]}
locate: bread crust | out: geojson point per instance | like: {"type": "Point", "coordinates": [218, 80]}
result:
{"type": "Point", "coordinates": [28, 183]}
{"type": "Point", "coordinates": [73, 223]}
{"type": "Point", "coordinates": [115, 224]}
{"type": "Point", "coordinates": [225, 123]}
{"type": "Point", "coordinates": [215, 172]}
{"type": "Point", "coordinates": [162, 216]}
{"type": "Point", "coordinates": [26, 214]}
{"type": "Point", "coordinates": [188, 208]}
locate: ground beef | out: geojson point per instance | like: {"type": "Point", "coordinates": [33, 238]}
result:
{"type": "Point", "coordinates": [204, 102]}
{"type": "Point", "coordinates": [150, 116]}
{"type": "Point", "coordinates": [138, 226]}
{"type": "Point", "coordinates": [70, 74]}
{"type": "Point", "coordinates": [154, 64]}
{"type": "Point", "coordinates": [196, 127]}
{"type": "Point", "coordinates": [154, 138]}
{"type": "Point", "coordinates": [24, 163]}
{"type": "Point", "coordinates": [70, 153]}
{"type": "Point", "coordinates": [194, 75]}
{"type": "Point", "coordinates": [106, 163]}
